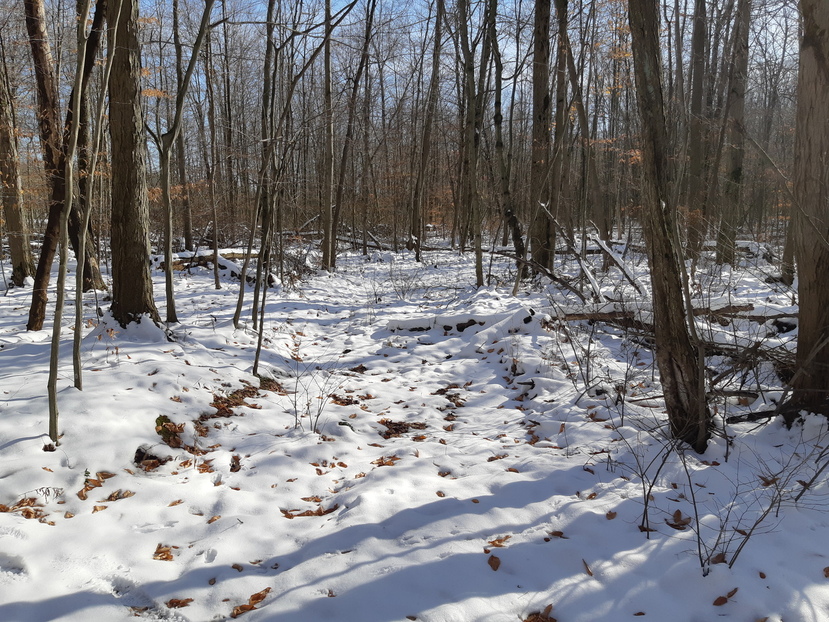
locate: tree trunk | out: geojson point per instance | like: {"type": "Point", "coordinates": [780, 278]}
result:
{"type": "Point", "coordinates": [697, 212]}
{"type": "Point", "coordinates": [416, 227]}
{"type": "Point", "coordinates": [735, 115]}
{"type": "Point", "coordinates": [329, 243]}
{"type": "Point", "coordinates": [181, 167]}
{"type": "Point", "coordinates": [11, 188]}
{"type": "Point", "coordinates": [132, 287]}
{"type": "Point", "coordinates": [540, 230]}
{"type": "Point", "coordinates": [676, 353]}
{"type": "Point", "coordinates": [811, 186]}
{"type": "Point", "coordinates": [53, 146]}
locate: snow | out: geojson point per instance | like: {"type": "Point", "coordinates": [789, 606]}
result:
{"type": "Point", "coordinates": [519, 455]}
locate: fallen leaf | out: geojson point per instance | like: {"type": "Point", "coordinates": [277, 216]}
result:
{"type": "Point", "coordinates": [587, 568]}
{"type": "Point", "coordinates": [99, 508]}
{"type": "Point", "coordinates": [610, 515]}
{"type": "Point", "coordinates": [176, 502]}
{"type": "Point", "coordinates": [213, 519]}
{"type": "Point", "coordinates": [240, 609]}
{"type": "Point", "coordinates": [177, 603]}
{"type": "Point", "coordinates": [732, 592]}
{"type": "Point", "coordinates": [499, 542]}
{"type": "Point", "coordinates": [494, 562]}
{"type": "Point", "coordinates": [720, 601]}
{"type": "Point", "coordinates": [257, 598]}
{"type": "Point", "coordinates": [163, 553]}
{"type": "Point", "coordinates": [762, 575]}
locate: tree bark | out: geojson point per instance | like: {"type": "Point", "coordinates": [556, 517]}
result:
{"type": "Point", "coordinates": [676, 353]}
{"type": "Point", "coordinates": [132, 287]}
{"type": "Point", "coordinates": [11, 188]}
{"type": "Point", "coordinates": [416, 226]}
{"type": "Point", "coordinates": [53, 146]}
{"type": "Point", "coordinates": [541, 230]}
{"type": "Point", "coordinates": [735, 115]}
{"type": "Point", "coordinates": [811, 185]}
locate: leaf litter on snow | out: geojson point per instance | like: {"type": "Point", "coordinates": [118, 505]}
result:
{"type": "Point", "coordinates": [504, 425]}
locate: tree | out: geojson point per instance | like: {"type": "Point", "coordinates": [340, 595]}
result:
{"type": "Point", "coordinates": [132, 288]}
{"type": "Point", "coordinates": [53, 144]}
{"type": "Point", "coordinates": [540, 232]}
{"type": "Point", "coordinates": [811, 187]}
{"type": "Point", "coordinates": [677, 354]}
{"type": "Point", "coordinates": [165, 148]}
{"type": "Point", "coordinates": [10, 186]}
{"type": "Point", "coordinates": [735, 118]}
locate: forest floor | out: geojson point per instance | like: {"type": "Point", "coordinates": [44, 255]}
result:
{"type": "Point", "coordinates": [414, 449]}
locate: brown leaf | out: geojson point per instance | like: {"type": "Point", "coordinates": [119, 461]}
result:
{"type": "Point", "coordinates": [587, 568]}
{"type": "Point", "coordinates": [499, 542]}
{"type": "Point", "coordinates": [386, 461]}
{"type": "Point", "coordinates": [558, 534]}
{"type": "Point", "coordinates": [719, 558]}
{"type": "Point", "coordinates": [610, 515]}
{"type": "Point", "coordinates": [237, 567]}
{"type": "Point", "coordinates": [440, 494]}
{"type": "Point", "coordinates": [163, 553]}
{"type": "Point", "coordinates": [177, 603]}
{"type": "Point", "coordinates": [496, 457]}
{"type": "Point", "coordinates": [826, 572]}
{"type": "Point", "coordinates": [762, 575]}
{"type": "Point", "coordinates": [213, 519]}
{"type": "Point", "coordinates": [318, 512]}
{"type": "Point", "coordinates": [732, 592]}
{"type": "Point", "coordinates": [720, 601]}
{"type": "Point", "coordinates": [494, 562]}
{"type": "Point", "coordinates": [240, 609]}
{"type": "Point", "coordinates": [98, 508]}
{"type": "Point", "coordinates": [257, 598]}
{"type": "Point", "coordinates": [176, 502]}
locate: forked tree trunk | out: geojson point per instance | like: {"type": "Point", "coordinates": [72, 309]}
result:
{"type": "Point", "coordinates": [53, 145]}
{"type": "Point", "coordinates": [676, 354]}
{"type": "Point", "coordinates": [811, 185]}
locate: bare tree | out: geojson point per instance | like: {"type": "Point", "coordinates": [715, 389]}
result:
{"type": "Point", "coordinates": [811, 185]}
{"type": "Point", "coordinates": [132, 287]}
{"type": "Point", "coordinates": [677, 355]}
{"type": "Point", "coordinates": [16, 226]}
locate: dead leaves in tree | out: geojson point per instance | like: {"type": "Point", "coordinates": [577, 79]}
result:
{"type": "Point", "coordinates": [254, 600]}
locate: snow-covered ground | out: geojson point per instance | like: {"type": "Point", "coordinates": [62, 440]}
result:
{"type": "Point", "coordinates": [417, 450]}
